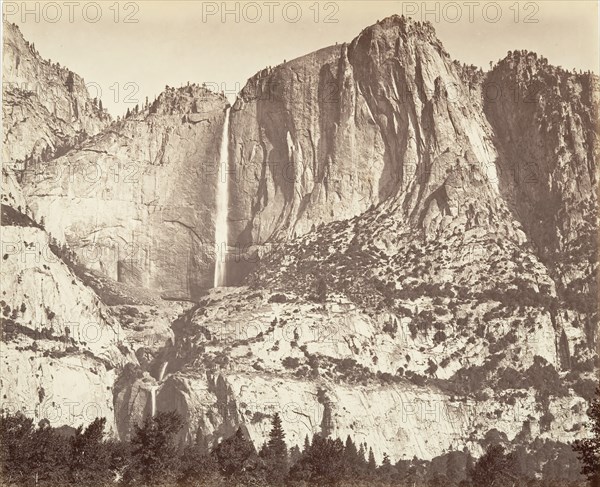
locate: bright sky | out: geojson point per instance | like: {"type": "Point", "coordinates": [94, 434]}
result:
{"type": "Point", "coordinates": [224, 43]}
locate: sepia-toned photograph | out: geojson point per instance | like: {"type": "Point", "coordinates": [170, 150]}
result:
{"type": "Point", "coordinates": [348, 243]}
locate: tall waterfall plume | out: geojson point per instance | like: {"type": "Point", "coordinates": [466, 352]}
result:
{"type": "Point", "coordinates": [222, 207]}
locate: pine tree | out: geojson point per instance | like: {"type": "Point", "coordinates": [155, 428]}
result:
{"type": "Point", "coordinates": [302, 469]}
{"type": "Point", "coordinates": [361, 455]}
{"type": "Point", "coordinates": [350, 451]}
{"type": "Point", "coordinates": [276, 453]}
{"type": "Point", "coordinates": [412, 474]}
{"type": "Point", "coordinates": [295, 454]}
{"type": "Point", "coordinates": [402, 469]}
{"type": "Point", "coordinates": [455, 466]}
{"type": "Point", "coordinates": [588, 449]}
{"type": "Point", "coordinates": [386, 460]}
{"type": "Point", "coordinates": [154, 459]}
{"type": "Point", "coordinates": [198, 467]}
{"type": "Point", "coordinates": [352, 466]}
{"type": "Point", "coordinates": [322, 463]}
{"type": "Point", "coordinates": [371, 465]}
{"type": "Point", "coordinates": [16, 432]}
{"type": "Point", "coordinates": [235, 454]}
{"type": "Point", "coordinates": [47, 456]}
{"type": "Point", "coordinates": [89, 456]}
{"type": "Point", "coordinates": [277, 437]}
{"type": "Point", "coordinates": [306, 444]}
{"type": "Point", "coordinates": [386, 472]}
{"type": "Point", "coordinates": [497, 465]}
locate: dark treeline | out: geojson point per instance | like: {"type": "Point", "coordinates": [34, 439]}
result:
{"type": "Point", "coordinates": [46, 456]}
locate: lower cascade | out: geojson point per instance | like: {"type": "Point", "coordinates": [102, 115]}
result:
{"type": "Point", "coordinates": [222, 207]}
{"type": "Point", "coordinates": [163, 369]}
{"type": "Point", "coordinates": [153, 400]}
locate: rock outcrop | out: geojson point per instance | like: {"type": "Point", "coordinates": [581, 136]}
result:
{"type": "Point", "coordinates": [47, 109]}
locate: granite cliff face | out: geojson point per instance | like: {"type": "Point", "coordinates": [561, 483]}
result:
{"type": "Point", "coordinates": [136, 201]}
{"type": "Point", "coordinates": [46, 108]}
{"type": "Point", "coordinates": [417, 250]}
{"type": "Point", "coordinates": [328, 135]}
{"type": "Point", "coordinates": [543, 122]}
{"type": "Point", "coordinates": [546, 130]}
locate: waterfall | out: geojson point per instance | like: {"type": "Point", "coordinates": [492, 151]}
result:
{"type": "Point", "coordinates": [222, 207]}
{"type": "Point", "coordinates": [163, 369]}
{"type": "Point", "coordinates": [153, 400]}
